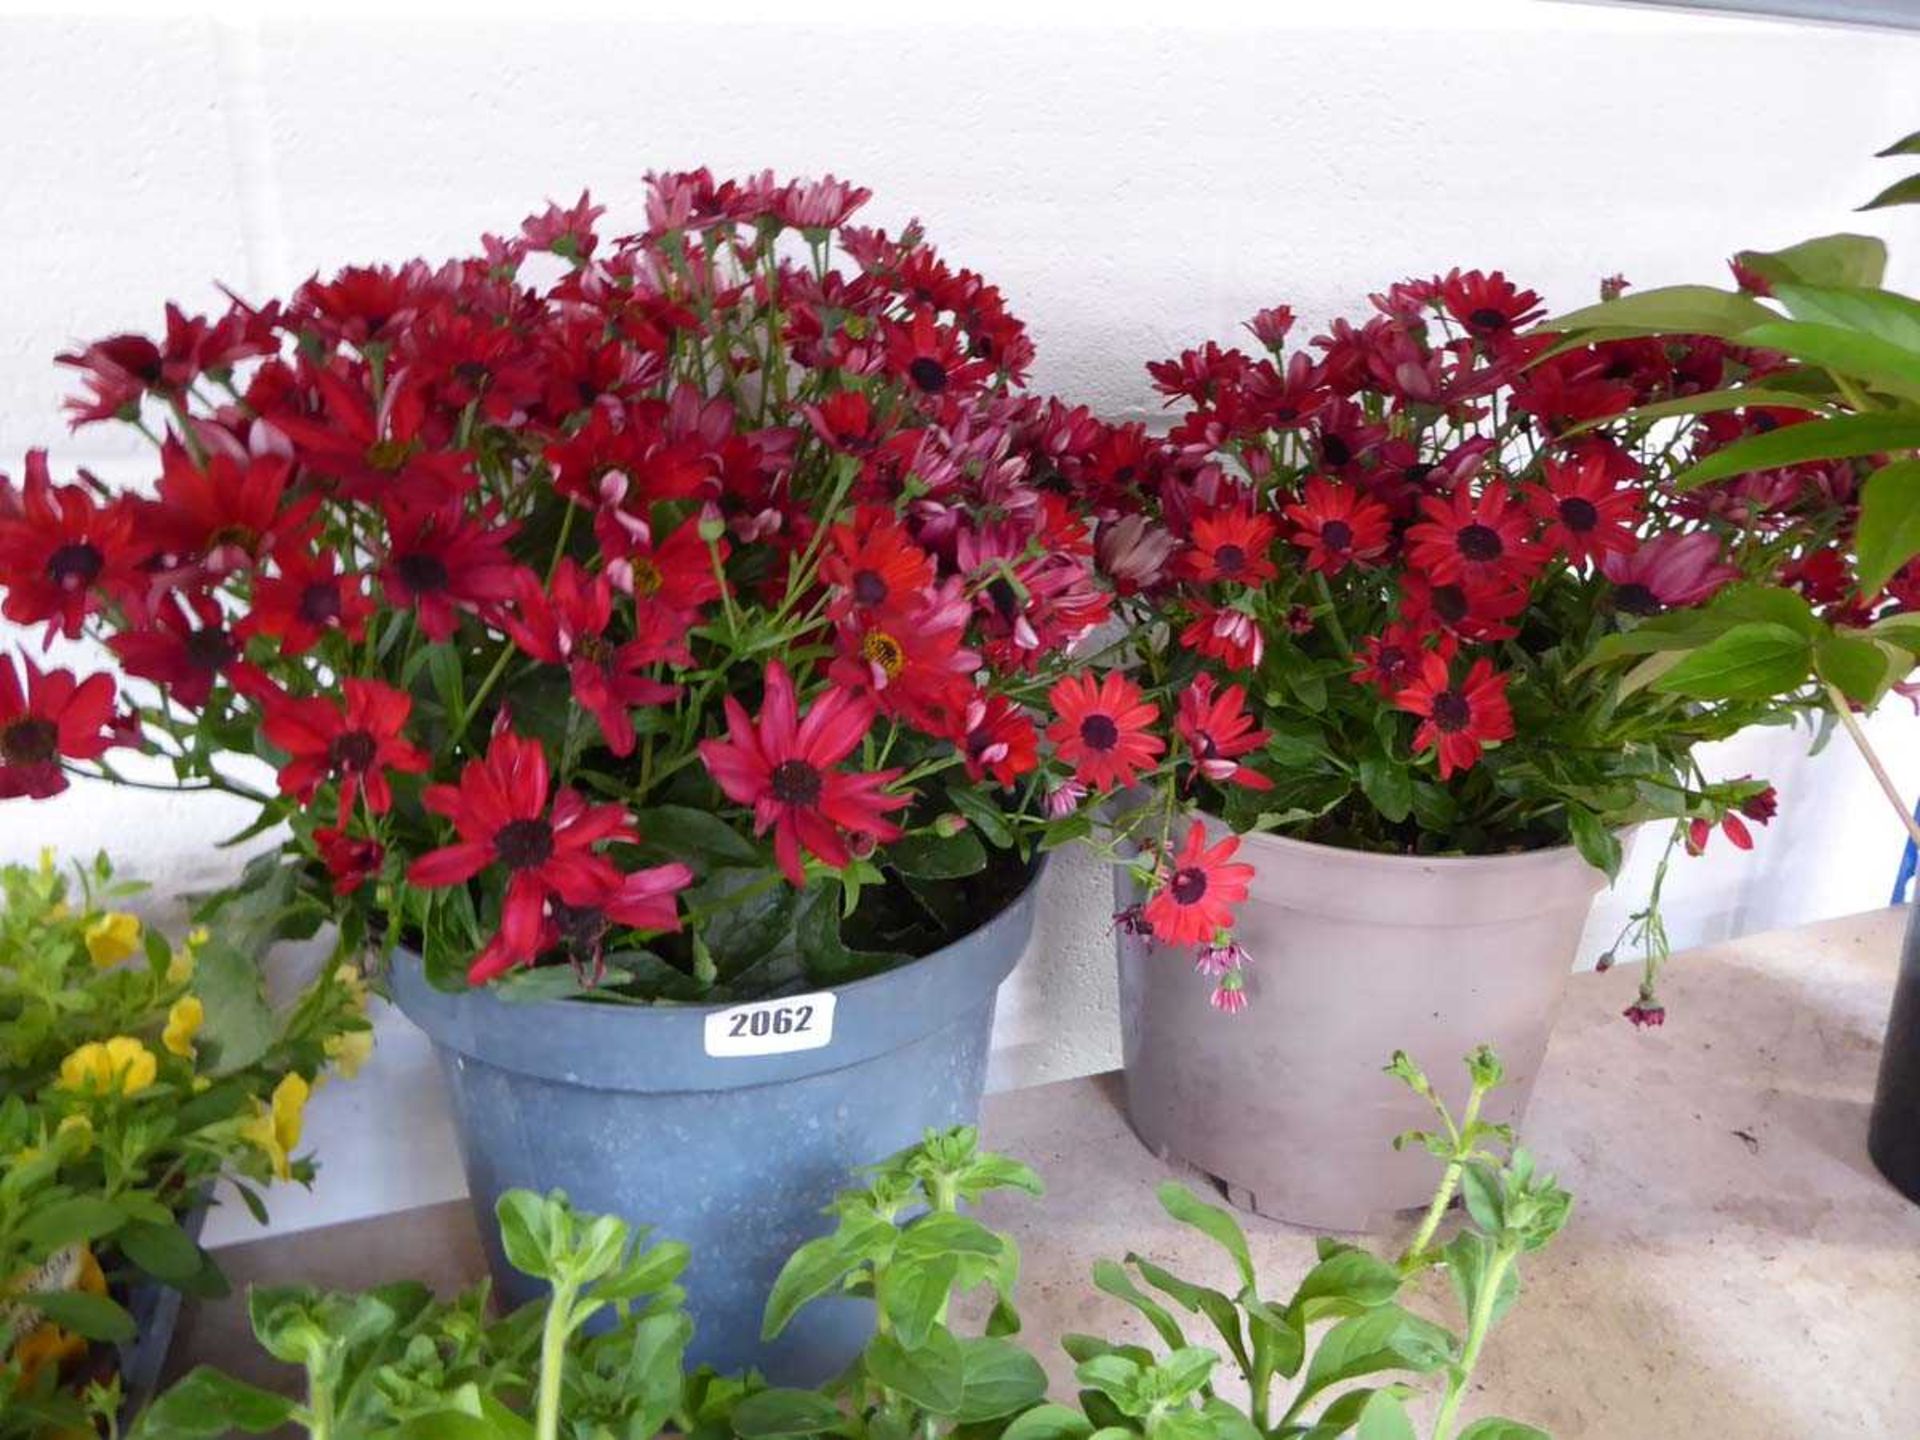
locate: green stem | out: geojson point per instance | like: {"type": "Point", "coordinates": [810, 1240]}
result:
{"type": "Point", "coordinates": [1333, 614]}
{"type": "Point", "coordinates": [1414, 1256]}
{"type": "Point", "coordinates": [1479, 1324]}
{"type": "Point", "coordinates": [553, 1358]}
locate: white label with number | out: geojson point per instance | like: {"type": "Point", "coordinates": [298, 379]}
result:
{"type": "Point", "coordinates": [771, 1027]}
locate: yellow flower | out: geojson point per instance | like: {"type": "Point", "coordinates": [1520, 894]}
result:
{"type": "Point", "coordinates": [349, 978]}
{"type": "Point", "coordinates": [180, 967]}
{"type": "Point", "coordinates": [349, 1051]}
{"type": "Point", "coordinates": [112, 937]}
{"type": "Point", "coordinates": [80, 1128]}
{"type": "Point", "coordinates": [276, 1128]}
{"type": "Point", "coordinates": [121, 1066]}
{"type": "Point", "coordinates": [183, 1023]}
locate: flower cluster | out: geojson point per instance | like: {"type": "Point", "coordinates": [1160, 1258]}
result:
{"type": "Point", "coordinates": [584, 585]}
{"type": "Point", "coordinates": [1363, 577]}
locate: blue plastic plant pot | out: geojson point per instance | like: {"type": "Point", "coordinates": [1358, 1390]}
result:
{"type": "Point", "coordinates": [727, 1127]}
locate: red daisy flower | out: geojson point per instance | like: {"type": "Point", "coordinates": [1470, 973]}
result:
{"type": "Point", "coordinates": [670, 581]}
{"type": "Point", "coordinates": [1474, 613]}
{"type": "Point", "coordinates": [782, 766]}
{"type": "Point", "coordinates": [186, 650]}
{"type": "Point", "coordinates": [1668, 570]}
{"type": "Point", "coordinates": [845, 420]}
{"type": "Point", "coordinates": [374, 454]}
{"type": "Point", "coordinates": [1457, 720]}
{"type": "Point", "coordinates": [1217, 730]}
{"type": "Point", "coordinates": [646, 899]}
{"type": "Point", "coordinates": [443, 561]}
{"type": "Point", "coordinates": [1584, 511]}
{"type": "Point", "coordinates": [1488, 305]}
{"type": "Point", "coordinates": [223, 515]}
{"type": "Point", "coordinates": [1104, 729]}
{"type": "Point", "coordinates": [911, 663]}
{"type": "Point", "coordinates": [1222, 633]}
{"type": "Point", "coordinates": [1391, 660]}
{"type": "Point", "coordinates": [1199, 886]}
{"type": "Point", "coordinates": [1481, 540]}
{"type": "Point", "coordinates": [933, 357]}
{"type": "Point", "coordinates": [47, 714]}
{"type": "Point", "coordinates": [356, 743]}
{"type": "Point", "coordinates": [499, 809]}
{"type": "Point", "coordinates": [306, 599]}
{"type": "Point", "coordinates": [1339, 525]}
{"type": "Point", "coordinates": [997, 739]}
{"type": "Point", "coordinates": [874, 566]}
{"type": "Point", "coordinates": [61, 555]}
{"type": "Point", "coordinates": [350, 859]}
{"type": "Point", "coordinates": [565, 623]}
{"type": "Point", "coordinates": [1231, 546]}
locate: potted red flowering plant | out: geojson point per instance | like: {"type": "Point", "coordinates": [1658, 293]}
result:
{"type": "Point", "coordinates": [654, 620]}
{"type": "Point", "coordinates": [1369, 584]}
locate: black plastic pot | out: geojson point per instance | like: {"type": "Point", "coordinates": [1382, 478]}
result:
{"type": "Point", "coordinates": [1893, 1133]}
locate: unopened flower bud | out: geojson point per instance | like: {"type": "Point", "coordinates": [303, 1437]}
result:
{"type": "Point", "coordinates": [713, 525]}
{"type": "Point", "coordinates": [949, 825]}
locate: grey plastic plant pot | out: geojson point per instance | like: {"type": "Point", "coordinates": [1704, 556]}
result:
{"type": "Point", "coordinates": [624, 1109]}
{"type": "Point", "coordinates": [1354, 955]}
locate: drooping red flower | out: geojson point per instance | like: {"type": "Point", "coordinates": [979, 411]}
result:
{"type": "Point", "coordinates": [1198, 888]}
{"type": "Point", "coordinates": [874, 566]}
{"type": "Point", "coordinates": [62, 554]}
{"type": "Point", "coordinates": [351, 860]}
{"type": "Point", "coordinates": [46, 715]}
{"type": "Point", "coordinates": [355, 743]}
{"type": "Point", "coordinates": [997, 739]}
{"type": "Point", "coordinates": [565, 622]}
{"type": "Point", "coordinates": [1391, 660]}
{"type": "Point", "coordinates": [1457, 720]}
{"type": "Point", "coordinates": [1480, 540]}
{"type": "Point", "coordinates": [1489, 305]}
{"type": "Point", "coordinates": [1218, 731]}
{"type": "Point", "coordinates": [499, 810]}
{"type": "Point", "coordinates": [1220, 632]}
{"type": "Point", "coordinates": [783, 766]}
{"type": "Point", "coordinates": [1584, 511]}
{"type": "Point", "coordinates": [1668, 570]}
{"type": "Point", "coordinates": [645, 899]}
{"type": "Point", "coordinates": [305, 598]}
{"type": "Point", "coordinates": [1230, 547]}
{"type": "Point", "coordinates": [1103, 729]}
{"type": "Point", "coordinates": [442, 562]}
{"type": "Point", "coordinates": [1338, 525]}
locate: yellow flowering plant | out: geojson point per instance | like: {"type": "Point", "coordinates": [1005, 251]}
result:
{"type": "Point", "coordinates": [137, 1074]}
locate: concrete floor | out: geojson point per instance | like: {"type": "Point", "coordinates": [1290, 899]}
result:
{"type": "Point", "coordinates": [1734, 1269]}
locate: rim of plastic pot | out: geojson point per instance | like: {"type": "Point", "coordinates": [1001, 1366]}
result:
{"type": "Point", "coordinates": [662, 1047]}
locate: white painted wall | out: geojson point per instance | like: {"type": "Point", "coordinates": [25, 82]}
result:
{"type": "Point", "coordinates": [1135, 177]}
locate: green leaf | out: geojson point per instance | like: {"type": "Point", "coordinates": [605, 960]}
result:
{"type": "Point", "coordinates": [1834, 438]}
{"type": "Point", "coordinates": [69, 1222]}
{"type": "Point", "coordinates": [997, 1378]}
{"type": "Point", "coordinates": [983, 814]}
{"type": "Point", "coordinates": [1221, 1312]}
{"type": "Point", "coordinates": [1348, 1279]}
{"type": "Point", "coordinates": [1189, 1209]}
{"type": "Point", "coordinates": [937, 857]}
{"type": "Point", "coordinates": [1888, 535]}
{"type": "Point", "coordinates": [1387, 1338]}
{"type": "Point", "coordinates": [1388, 785]}
{"type": "Point", "coordinates": [1597, 845]}
{"type": "Point", "coordinates": [526, 1221]}
{"type": "Point", "coordinates": [945, 1233]}
{"type": "Point", "coordinates": [828, 959]}
{"type": "Point", "coordinates": [1494, 1428]}
{"type": "Point", "coordinates": [1279, 1341]}
{"type": "Point", "coordinates": [915, 1295]}
{"type": "Point", "coordinates": [1749, 662]}
{"type": "Point", "coordinates": [702, 839]}
{"type": "Point", "coordinates": [1384, 1418]}
{"type": "Point", "coordinates": [92, 1317]}
{"type": "Point", "coordinates": [1879, 363]}
{"type": "Point", "coordinates": [1674, 310]}
{"type": "Point", "coordinates": [1901, 192]}
{"type": "Point", "coordinates": [820, 1265]}
{"type": "Point", "coordinates": [1706, 403]}
{"type": "Point", "coordinates": [1861, 669]}
{"type": "Point", "coordinates": [1749, 601]}
{"type": "Point", "coordinates": [1112, 1280]}
{"type": "Point", "coordinates": [932, 1374]}
{"type": "Point", "coordinates": [164, 1251]}
{"type": "Point", "coordinates": [1825, 260]}
{"type": "Point", "coordinates": [206, 1403]}
{"type": "Point", "coordinates": [748, 913]}
{"type": "Point", "coordinates": [1885, 314]}
{"type": "Point", "coordinates": [769, 1414]}
{"type": "Point", "coordinates": [1048, 1422]}
{"type": "Point", "coordinates": [1906, 145]}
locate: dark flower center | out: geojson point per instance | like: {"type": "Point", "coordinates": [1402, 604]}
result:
{"type": "Point", "coordinates": [320, 603]}
{"type": "Point", "coordinates": [1006, 600]}
{"type": "Point", "coordinates": [929, 374]}
{"type": "Point", "coordinates": [1392, 662]}
{"type": "Point", "coordinates": [1578, 515]}
{"type": "Point", "coordinates": [388, 455]}
{"type": "Point", "coordinates": [1098, 732]}
{"type": "Point", "coordinates": [1487, 318]}
{"type": "Point", "coordinates": [471, 373]}
{"type": "Point", "coordinates": [795, 782]}
{"type": "Point", "coordinates": [523, 844]}
{"type": "Point", "coordinates": [1760, 422]}
{"type": "Point", "coordinates": [1337, 536]}
{"type": "Point", "coordinates": [1450, 603]}
{"type": "Point", "coordinates": [75, 565]}
{"type": "Point", "coordinates": [422, 574]}
{"type": "Point", "coordinates": [239, 537]}
{"type": "Point", "coordinates": [868, 587]}
{"type": "Point", "coordinates": [352, 750]}
{"type": "Point", "coordinates": [210, 650]}
{"type": "Point", "coordinates": [1451, 712]}
{"type": "Point", "coordinates": [1337, 451]}
{"type": "Point", "coordinates": [883, 650]}
{"type": "Point", "coordinates": [1189, 885]}
{"type": "Point", "coordinates": [1418, 472]}
{"type": "Point", "coordinates": [1229, 559]}
{"type": "Point", "coordinates": [581, 927]}
{"type": "Point", "coordinates": [1636, 599]}
{"type": "Point", "coordinates": [30, 740]}
{"type": "Point", "coordinates": [594, 650]}
{"type": "Point", "coordinates": [1480, 542]}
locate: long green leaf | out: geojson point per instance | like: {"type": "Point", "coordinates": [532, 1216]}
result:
{"type": "Point", "coordinates": [1183, 1205]}
{"type": "Point", "coordinates": [1880, 363]}
{"type": "Point", "coordinates": [1886, 313]}
{"type": "Point", "coordinates": [1749, 662]}
{"type": "Point", "coordinates": [1831, 439]}
{"type": "Point", "coordinates": [1901, 192]}
{"type": "Point", "coordinates": [1906, 145]}
{"type": "Point", "coordinates": [1673, 310]}
{"type": "Point", "coordinates": [1888, 535]}
{"type": "Point", "coordinates": [1824, 260]}
{"type": "Point", "coordinates": [1707, 403]}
